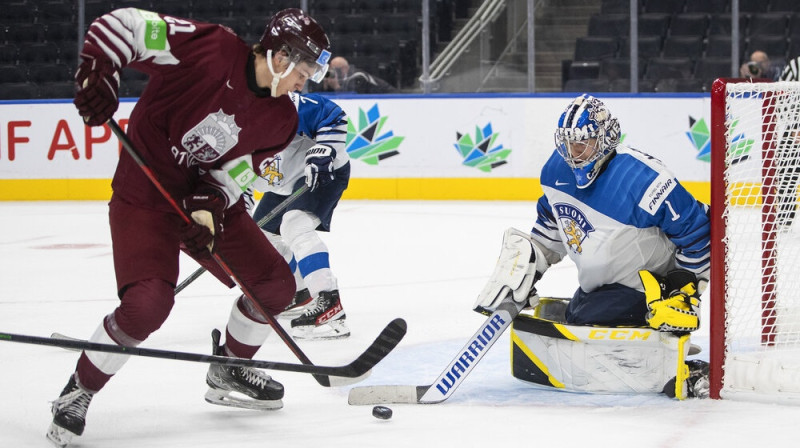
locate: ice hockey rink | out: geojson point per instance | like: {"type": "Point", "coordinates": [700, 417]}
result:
{"type": "Point", "coordinates": [422, 261]}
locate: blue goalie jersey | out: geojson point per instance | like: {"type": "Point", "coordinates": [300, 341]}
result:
{"type": "Point", "coordinates": [636, 215]}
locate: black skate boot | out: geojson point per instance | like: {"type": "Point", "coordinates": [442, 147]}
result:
{"type": "Point", "coordinates": [69, 414]}
{"type": "Point", "coordinates": [241, 387]}
{"type": "Point", "coordinates": [298, 304]}
{"type": "Point", "coordinates": [698, 385]}
{"type": "Point", "coordinates": [325, 319]}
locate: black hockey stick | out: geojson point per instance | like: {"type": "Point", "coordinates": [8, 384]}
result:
{"type": "Point", "coordinates": [455, 372]}
{"type": "Point", "coordinates": [386, 341]}
{"type": "Point", "coordinates": [279, 330]}
{"type": "Point", "coordinates": [261, 223]}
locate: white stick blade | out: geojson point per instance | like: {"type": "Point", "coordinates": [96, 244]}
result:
{"type": "Point", "coordinates": [382, 395]}
{"type": "Point", "coordinates": [341, 381]}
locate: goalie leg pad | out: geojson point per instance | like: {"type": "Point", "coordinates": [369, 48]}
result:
{"type": "Point", "coordinates": [520, 264]}
{"type": "Point", "coordinates": [597, 359]}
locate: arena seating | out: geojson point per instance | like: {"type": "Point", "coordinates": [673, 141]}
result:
{"type": "Point", "coordinates": [380, 36]}
{"type": "Point", "coordinates": [683, 44]}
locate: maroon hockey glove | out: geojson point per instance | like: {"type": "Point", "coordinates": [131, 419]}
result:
{"type": "Point", "coordinates": [207, 210]}
{"type": "Point", "coordinates": [97, 83]}
{"type": "Point", "coordinates": [197, 239]}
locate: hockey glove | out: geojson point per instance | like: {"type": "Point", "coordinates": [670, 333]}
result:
{"type": "Point", "coordinates": [207, 210]}
{"type": "Point", "coordinates": [673, 302]}
{"type": "Point", "coordinates": [319, 166]}
{"type": "Point", "coordinates": [520, 265]}
{"type": "Point", "coordinates": [97, 83]}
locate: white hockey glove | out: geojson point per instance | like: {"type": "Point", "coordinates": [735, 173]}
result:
{"type": "Point", "coordinates": [673, 302]}
{"type": "Point", "coordinates": [319, 165]}
{"type": "Point", "coordinates": [520, 265]}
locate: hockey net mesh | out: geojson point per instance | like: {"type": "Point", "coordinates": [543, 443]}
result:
{"type": "Point", "coordinates": [762, 246]}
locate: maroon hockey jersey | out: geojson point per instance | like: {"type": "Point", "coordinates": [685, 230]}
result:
{"type": "Point", "coordinates": [200, 110]}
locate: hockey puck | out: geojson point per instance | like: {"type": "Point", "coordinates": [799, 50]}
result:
{"type": "Point", "coordinates": [382, 412]}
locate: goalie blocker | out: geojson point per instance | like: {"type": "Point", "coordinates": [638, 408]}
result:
{"type": "Point", "coordinates": [520, 265]}
{"type": "Point", "coordinates": [593, 359]}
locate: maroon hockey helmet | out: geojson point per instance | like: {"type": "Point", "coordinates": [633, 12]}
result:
{"type": "Point", "coordinates": [295, 32]}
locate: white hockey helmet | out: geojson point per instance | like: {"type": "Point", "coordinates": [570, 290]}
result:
{"type": "Point", "coordinates": [586, 137]}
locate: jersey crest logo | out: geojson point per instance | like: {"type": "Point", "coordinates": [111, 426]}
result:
{"type": "Point", "coordinates": [213, 137]}
{"type": "Point", "coordinates": [574, 225]}
{"type": "Point", "coordinates": [272, 172]}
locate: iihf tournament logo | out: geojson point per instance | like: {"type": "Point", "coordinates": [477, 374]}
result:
{"type": "Point", "coordinates": [483, 153]}
{"type": "Point", "coordinates": [369, 142]}
{"type": "Point", "coordinates": [574, 225]}
{"type": "Point", "coordinates": [212, 137]}
{"type": "Point", "coordinates": [700, 136]}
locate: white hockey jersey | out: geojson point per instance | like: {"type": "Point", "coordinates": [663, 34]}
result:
{"type": "Point", "coordinates": [321, 122]}
{"type": "Point", "coordinates": [636, 215]}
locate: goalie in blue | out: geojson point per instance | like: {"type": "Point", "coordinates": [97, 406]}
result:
{"type": "Point", "coordinates": [639, 239]}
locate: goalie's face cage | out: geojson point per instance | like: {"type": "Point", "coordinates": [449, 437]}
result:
{"type": "Point", "coordinates": [586, 137]}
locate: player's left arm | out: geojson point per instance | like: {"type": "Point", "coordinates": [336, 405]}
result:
{"type": "Point", "coordinates": [682, 218]}
{"type": "Point", "coordinates": [686, 222]}
{"type": "Point", "coordinates": [325, 122]}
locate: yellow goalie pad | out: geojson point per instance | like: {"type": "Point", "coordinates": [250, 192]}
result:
{"type": "Point", "coordinates": [591, 359]}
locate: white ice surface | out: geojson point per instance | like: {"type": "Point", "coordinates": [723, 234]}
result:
{"type": "Point", "coordinates": [422, 261]}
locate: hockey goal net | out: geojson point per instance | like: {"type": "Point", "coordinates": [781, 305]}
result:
{"type": "Point", "coordinates": [755, 280]}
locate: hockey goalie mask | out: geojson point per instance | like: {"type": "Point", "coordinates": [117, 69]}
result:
{"type": "Point", "coordinates": [302, 38]}
{"type": "Point", "coordinates": [586, 137]}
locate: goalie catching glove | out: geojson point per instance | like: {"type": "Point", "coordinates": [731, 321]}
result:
{"type": "Point", "coordinates": [673, 302]}
{"type": "Point", "coordinates": [520, 265]}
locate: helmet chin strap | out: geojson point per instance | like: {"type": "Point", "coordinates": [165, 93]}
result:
{"type": "Point", "coordinates": [276, 77]}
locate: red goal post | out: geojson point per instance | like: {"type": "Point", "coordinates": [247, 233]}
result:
{"type": "Point", "coordinates": [755, 248]}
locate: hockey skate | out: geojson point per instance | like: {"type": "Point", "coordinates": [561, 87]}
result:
{"type": "Point", "coordinates": [298, 304]}
{"type": "Point", "coordinates": [324, 319]}
{"type": "Point", "coordinates": [242, 387]}
{"type": "Point", "coordinates": [699, 387]}
{"type": "Point", "coordinates": [69, 414]}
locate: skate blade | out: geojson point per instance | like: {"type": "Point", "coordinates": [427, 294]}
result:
{"type": "Point", "coordinates": [223, 398]}
{"type": "Point", "coordinates": [59, 436]}
{"type": "Point", "coordinates": [322, 332]}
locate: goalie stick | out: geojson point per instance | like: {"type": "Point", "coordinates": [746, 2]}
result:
{"type": "Point", "coordinates": [386, 341]}
{"type": "Point", "coordinates": [261, 223]}
{"type": "Point", "coordinates": [454, 374]}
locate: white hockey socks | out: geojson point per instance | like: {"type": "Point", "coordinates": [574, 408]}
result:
{"type": "Point", "coordinates": [299, 231]}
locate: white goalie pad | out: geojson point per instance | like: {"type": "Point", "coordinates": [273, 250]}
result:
{"type": "Point", "coordinates": [589, 359]}
{"type": "Point", "coordinates": [519, 266]}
